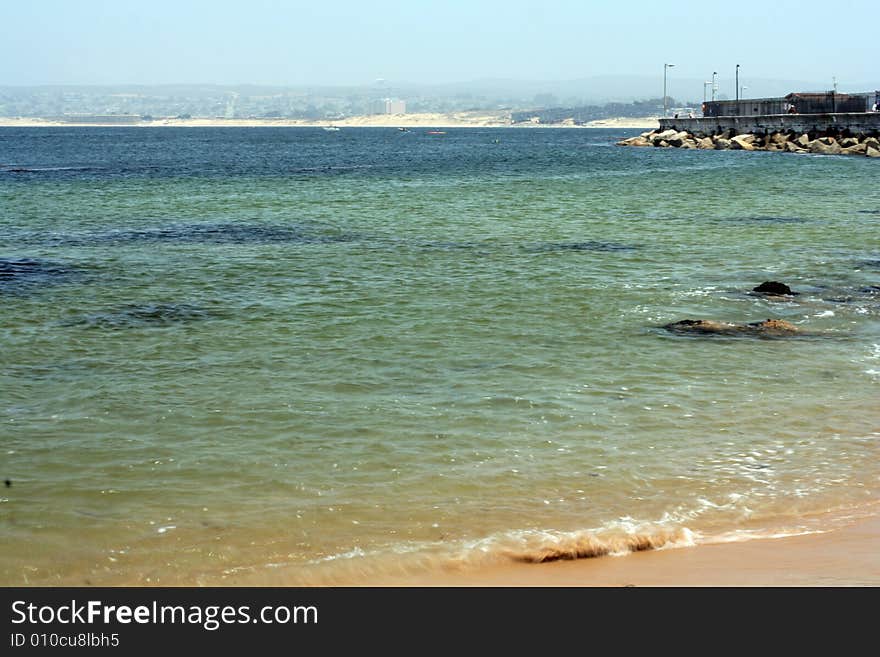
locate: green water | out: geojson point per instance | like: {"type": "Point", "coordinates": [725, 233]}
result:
{"type": "Point", "coordinates": [282, 357]}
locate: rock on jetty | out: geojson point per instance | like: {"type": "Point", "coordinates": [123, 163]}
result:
{"type": "Point", "coordinates": [788, 142]}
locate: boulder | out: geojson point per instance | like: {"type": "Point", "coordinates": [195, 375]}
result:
{"type": "Point", "coordinates": [848, 142]}
{"type": "Point", "coordinates": [803, 141]}
{"type": "Point", "coordinates": [778, 138]}
{"type": "Point", "coordinates": [821, 147]}
{"type": "Point", "coordinates": [702, 326]}
{"type": "Point", "coordinates": [666, 134]}
{"type": "Point", "coordinates": [766, 327]}
{"type": "Point", "coordinates": [706, 143]}
{"type": "Point", "coordinates": [634, 141]}
{"type": "Point", "coordinates": [871, 142]}
{"type": "Point", "coordinates": [721, 144]}
{"type": "Point", "coordinates": [792, 147]}
{"type": "Point", "coordinates": [772, 327]}
{"type": "Point", "coordinates": [872, 152]}
{"type": "Point", "coordinates": [774, 288]}
{"type": "Point", "coordinates": [857, 149]}
{"type": "Point", "coordinates": [742, 143]}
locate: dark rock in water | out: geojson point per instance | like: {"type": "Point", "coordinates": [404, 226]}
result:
{"type": "Point", "coordinates": [774, 288]}
{"type": "Point", "coordinates": [772, 327]}
{"type": "Point", "coordinates": [873, 264]}
{"type": "Point", "coordinates": [148, 314]}
{"type": "Point", "coordinates": [767, 327]}
{"type": "Point", "coordinates": [702, 326]}
{"type": "Point", "coordinates": [868, 211]}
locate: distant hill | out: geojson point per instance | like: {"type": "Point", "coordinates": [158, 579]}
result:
{"type": "Point", "coordinates": [331, 102]}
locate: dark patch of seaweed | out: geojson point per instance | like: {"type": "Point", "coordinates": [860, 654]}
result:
{"type": "Point", "coordinates": [142, 315]}
{"type": "Point", "coordinates": [217, 233]}
{"type": "Point", "coordinates": [231, 233]}
{"type": "Point", "coordinates": [773, 219]}
{"type": "Point", "coordinates": [587, 246]}
{"type": "Point", "coordinates": [21, 275]}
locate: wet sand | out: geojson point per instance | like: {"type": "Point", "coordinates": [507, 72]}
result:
{"type": "Point", "coordinates": [845, 557]}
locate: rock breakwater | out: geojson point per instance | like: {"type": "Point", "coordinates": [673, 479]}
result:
{"type": "Point", "coordinates": [826, 143]}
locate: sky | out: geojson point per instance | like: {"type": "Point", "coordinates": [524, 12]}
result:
{"type": "Point", "coordinates": [355, 42]}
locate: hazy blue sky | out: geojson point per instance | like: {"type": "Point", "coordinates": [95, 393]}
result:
{"type": "Point", "coordinates": [357, 41]}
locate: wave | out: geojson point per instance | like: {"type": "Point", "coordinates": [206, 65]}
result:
{"type": "Point", "coordinates": [589, 545]}
{"type": "Point", "coordinates": [617, 539]}
{"type": "Point", "coordinates": [523, 546]}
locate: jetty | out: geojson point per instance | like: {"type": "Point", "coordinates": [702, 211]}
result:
{"type": "Point", "coordinates": [826, 123]}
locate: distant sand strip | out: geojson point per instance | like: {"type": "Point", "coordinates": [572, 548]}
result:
{"type": "Point", "coordinates": [426, 120]}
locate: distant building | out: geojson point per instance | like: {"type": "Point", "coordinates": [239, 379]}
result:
{"type": "Point", "coordinates": [828, 102]}
{"type": "Point", "coordinates": [389, 106]}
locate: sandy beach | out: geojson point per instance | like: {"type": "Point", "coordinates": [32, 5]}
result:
{"type": "Point", "coordinates": [425, 120]}
{"type": "Point", "coordinates": [844, 557]}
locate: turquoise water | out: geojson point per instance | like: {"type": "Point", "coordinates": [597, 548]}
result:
{"type": "Point", "coordinates": [292, 356]}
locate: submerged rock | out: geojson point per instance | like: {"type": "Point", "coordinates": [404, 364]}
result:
{"type": "Point", "coordinates": [701, 326]}
{"type": "Point", "coordinates": [767, 327]}
{"type": "Point", "coordinates": [773, 327]}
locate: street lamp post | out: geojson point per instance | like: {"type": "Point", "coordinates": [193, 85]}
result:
{"type": "Point", "coordinates": [665, 68]}
{"type": "Point", "coordinates": [737, 82]}
{"type": "Point", "coordinates": [714, 86]}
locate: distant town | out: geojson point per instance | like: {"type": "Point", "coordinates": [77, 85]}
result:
{"type": "Point", "coordinates": [130, 104]}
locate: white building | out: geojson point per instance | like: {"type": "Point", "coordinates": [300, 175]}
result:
{"type": "Point", "coordinates": [389, 106]}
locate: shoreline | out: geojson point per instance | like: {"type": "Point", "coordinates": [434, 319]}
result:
{"type": "Point", "coordinates": [848, 556]}
{"type": "Point", "coordinates": [428, 120]}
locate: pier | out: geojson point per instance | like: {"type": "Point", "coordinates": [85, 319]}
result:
{"type": "Point", "coordinates": [852, 123]}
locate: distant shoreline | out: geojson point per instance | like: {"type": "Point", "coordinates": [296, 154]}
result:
{"type": "Point", "coordinates": [427, 120]}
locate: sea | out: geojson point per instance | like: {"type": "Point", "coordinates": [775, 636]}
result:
{"type": "Point", "coordinates": [291, 356]}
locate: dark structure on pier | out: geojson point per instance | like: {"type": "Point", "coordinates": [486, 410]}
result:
{"type": "Point", "coordinates": [829, 102]}
{"type": "Point", "coordinates": [828, 113]}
